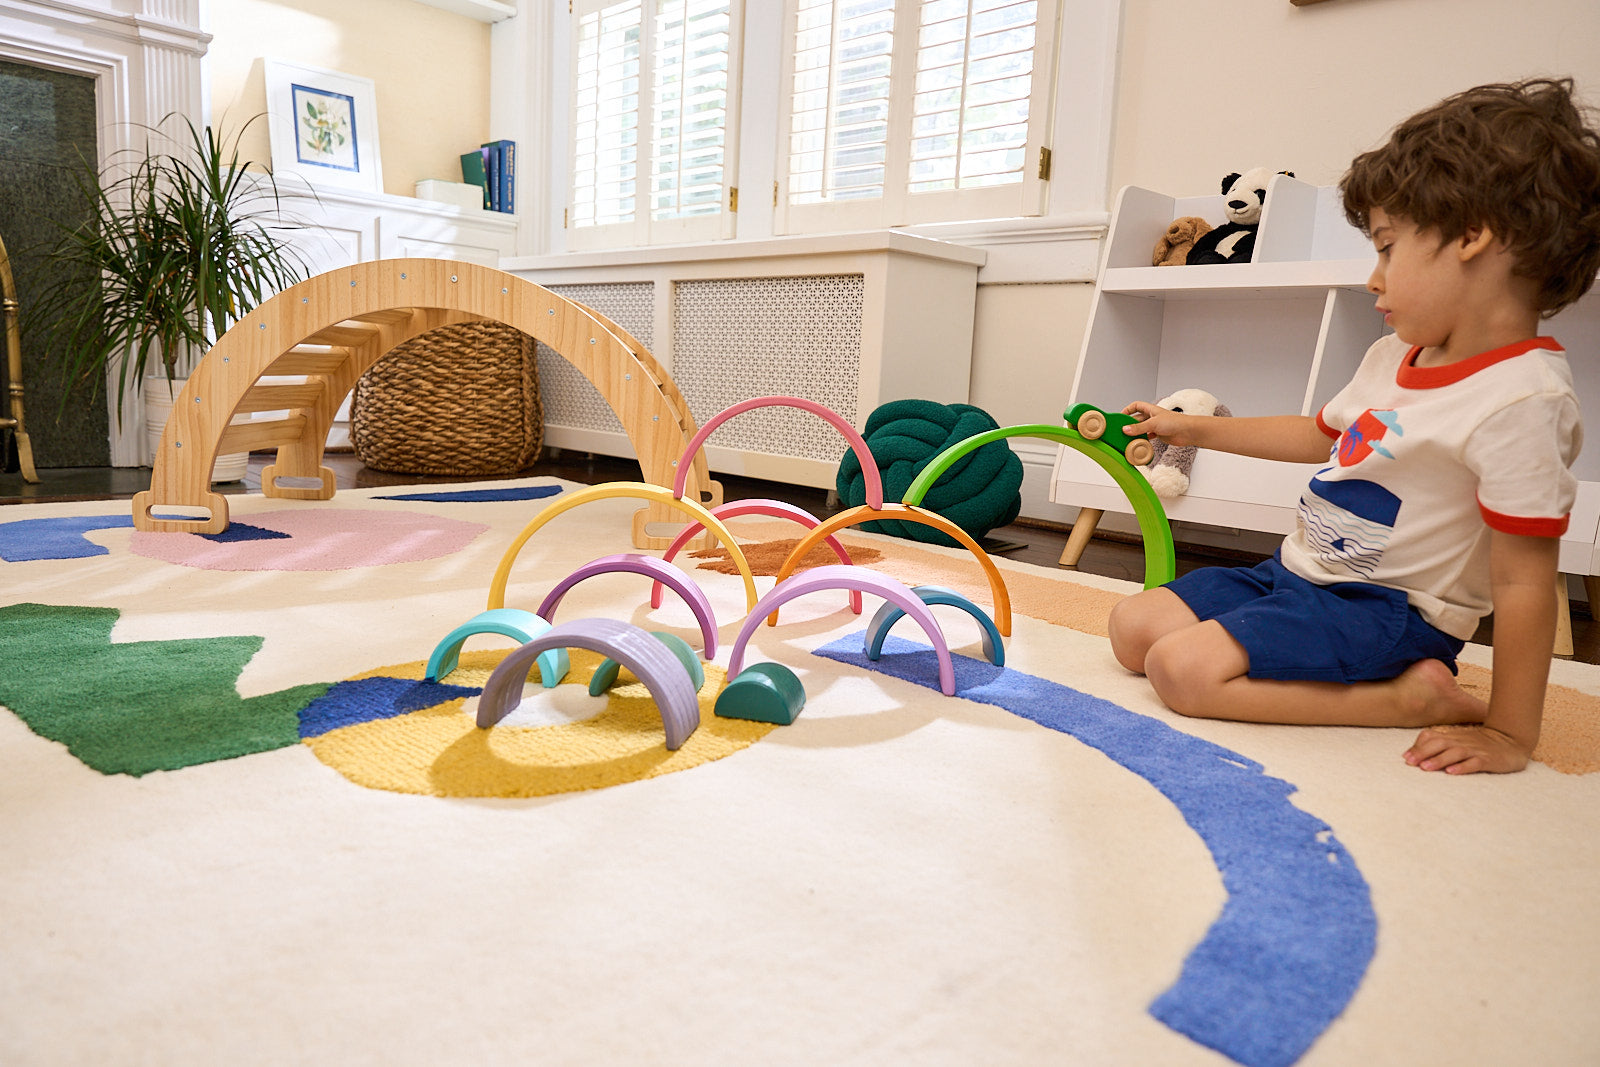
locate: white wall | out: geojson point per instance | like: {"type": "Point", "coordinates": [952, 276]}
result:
{"type": "Point", "coordinates": [1212, 86]}
{"type": "Point", "coordinates": [431, 70]}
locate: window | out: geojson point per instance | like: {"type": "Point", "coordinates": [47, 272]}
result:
{"type": "Point", "coordinates": [653, 121]}
{"type": "Point", "coordinates": [857, 115]}
{"type": "Point", "coordinates": [904, 111]}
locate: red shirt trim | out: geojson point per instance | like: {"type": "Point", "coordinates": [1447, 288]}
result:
{"type": "Point", "coordinates": [1525, 526]}
{"type": "Point", "coordinates": [1411, 376]}
{"type": "Point", "coordinates": [1325, 428]}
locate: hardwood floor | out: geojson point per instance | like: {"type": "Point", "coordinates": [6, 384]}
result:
{"type": "Point", "coordinates": [1109, 554]}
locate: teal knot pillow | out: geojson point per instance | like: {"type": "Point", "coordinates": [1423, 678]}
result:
{"type": "Point", "coordinates": [980, 491]}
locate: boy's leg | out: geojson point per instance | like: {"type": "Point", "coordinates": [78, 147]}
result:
{"type": "Point", "coordinates": [1139, 621]}
{"type": "Point", "coordinates": [1201, 670]}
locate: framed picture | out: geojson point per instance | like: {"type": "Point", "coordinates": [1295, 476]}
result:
{"type": "Point", "coordinates": [324, 126]}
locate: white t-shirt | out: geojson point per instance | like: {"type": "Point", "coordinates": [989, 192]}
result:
{"type": "Point", "coordinates": [1427, 461]}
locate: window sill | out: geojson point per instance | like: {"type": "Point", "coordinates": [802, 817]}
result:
{"type": "Point", "coordinates": [1022, 251]}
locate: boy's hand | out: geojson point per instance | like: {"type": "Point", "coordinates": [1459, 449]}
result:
{"type": "Point", "coordinates": [1173, 427]}
{"type": "Point", "coordinates": [1466, 750]}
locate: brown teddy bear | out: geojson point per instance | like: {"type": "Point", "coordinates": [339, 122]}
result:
{"type": "Point", "coordinates": [1173, 248]}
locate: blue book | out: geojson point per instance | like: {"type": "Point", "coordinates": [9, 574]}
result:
{"type": "Point", "coordinates": [504, 179]}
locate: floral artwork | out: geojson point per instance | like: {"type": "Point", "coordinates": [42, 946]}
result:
{"type": "Point", "coordinates": [325, 128]}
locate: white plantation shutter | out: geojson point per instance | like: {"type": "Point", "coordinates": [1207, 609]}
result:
{"type": "Point", "coordinates": [652, 121]}
{"type": "Point", "coordinates": [905, 111]}
{"type": "Point", "coordinates": [689, 142]}
{"type": "Point", "coordinates": [605, 126]}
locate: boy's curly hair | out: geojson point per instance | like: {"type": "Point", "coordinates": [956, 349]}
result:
{"type": "Point", "coordinates": [1518, 158]}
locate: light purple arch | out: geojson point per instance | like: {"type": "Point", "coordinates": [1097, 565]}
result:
{"type": "Point", "coordinates": [869, 466]}
{"type": "Point", "coordinates": [835, 576]}
{"type": "Point", "coordinates": [663, 573]}
{"type": "Point", "coordinates": [775, 508]}
{"type": "Point", "coordinates": [638, 650]}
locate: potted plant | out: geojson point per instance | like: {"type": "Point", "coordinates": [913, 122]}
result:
{"type": "Point", "coordinates": [184, 242]}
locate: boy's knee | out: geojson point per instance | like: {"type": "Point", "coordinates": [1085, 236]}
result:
{"type": "Point", "coordinates": [1128, 641]}
{"type": "Point", "coordinates": [1178, 673]}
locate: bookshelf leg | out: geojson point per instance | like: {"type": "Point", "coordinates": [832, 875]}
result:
{"type": "Point", "coordinates": [1563, 618]}
{"type": "Point", "coordinates": [1078, 538]}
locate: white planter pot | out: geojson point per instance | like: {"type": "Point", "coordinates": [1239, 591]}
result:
{"type": "Point", "coordinates": [159, 395]}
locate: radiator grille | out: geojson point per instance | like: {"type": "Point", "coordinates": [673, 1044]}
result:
{"type": "Point", "coordinates": [736, 339]}
{"type": "Point", "coordinates": [569, 398]}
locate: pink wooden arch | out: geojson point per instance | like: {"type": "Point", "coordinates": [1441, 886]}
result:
{"type": "Point", "coordinates": [869, 466]}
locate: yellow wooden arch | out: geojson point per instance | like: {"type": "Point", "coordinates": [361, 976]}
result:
{"type": "Point", "coordinates": [333, 327]}
{"type": "Point", "coordinates": [905, 513]}
{"type": "Point", "coordinates": [641, 490]}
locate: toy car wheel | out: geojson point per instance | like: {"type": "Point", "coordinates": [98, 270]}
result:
{"type": "Point", "coordinates": [1139, 451]}
{"type": "Point", "coordinates": [1091, 424]}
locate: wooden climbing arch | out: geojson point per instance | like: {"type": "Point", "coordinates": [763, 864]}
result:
{"type": "Point", "coordinates": [331, 328]}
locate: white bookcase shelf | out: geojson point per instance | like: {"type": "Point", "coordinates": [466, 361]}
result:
{"type": "Point", "coordinates": [1278, 335]}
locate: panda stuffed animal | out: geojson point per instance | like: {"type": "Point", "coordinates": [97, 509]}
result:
{"type": "Point", "coordinates": [1235, 240]}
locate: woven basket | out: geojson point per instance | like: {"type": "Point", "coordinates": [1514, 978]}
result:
{"type": "Point", "coordinates": [461, 399]}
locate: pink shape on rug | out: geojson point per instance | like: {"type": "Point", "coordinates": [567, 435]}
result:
{"type": "Point", "coordinates": [324, 539]}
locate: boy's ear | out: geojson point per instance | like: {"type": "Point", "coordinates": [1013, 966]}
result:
{"type": "Point", "coordinates": [1475, 241]}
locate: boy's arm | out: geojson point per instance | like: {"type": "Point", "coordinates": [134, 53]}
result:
{"type": "Point", "coordinates": [1290, 438]}
{"type": "Point", "coordinates": [1523, 577]}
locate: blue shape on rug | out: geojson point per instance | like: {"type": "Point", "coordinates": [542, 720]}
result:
{"type": "Point", "coordinates": [370, 699]}
{"type": "Point", "coordinates": [466, 496]}
{"type": "Point", "coordinates": [243, 531]}
{"type": "Point", "coordinates": [1298, 930]}
{"type": "Point", "coordinates": [34, 539]}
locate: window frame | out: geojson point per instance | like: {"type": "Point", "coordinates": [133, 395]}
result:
{"type": "Point", "coordinates": [643, 230]}
{"type": "Point", "coordinates": [531, 79]}
{"type": "Point", "coordinates": [899, 207]}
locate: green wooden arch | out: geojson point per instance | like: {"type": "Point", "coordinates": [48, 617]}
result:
{"type": "Point", "coordinates": [1160, 558]}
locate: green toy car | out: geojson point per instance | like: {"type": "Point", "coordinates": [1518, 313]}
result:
{"type": "Point", "coordinates": [1092, 424]}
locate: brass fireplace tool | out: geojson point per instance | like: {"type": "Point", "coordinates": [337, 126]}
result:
{"type": "Point", "coordinates": [8, 301]}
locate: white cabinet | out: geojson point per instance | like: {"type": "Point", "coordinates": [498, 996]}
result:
{"type": "Point", "coordinates": [848, 321]}
{"type": "Point", "coordinates": [1278, 335]}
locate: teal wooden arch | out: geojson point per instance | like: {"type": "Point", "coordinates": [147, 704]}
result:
{"type": "Point", "coordinates": [1160, 558]}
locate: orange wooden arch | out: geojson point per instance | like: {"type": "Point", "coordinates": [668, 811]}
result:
{"type": "Point", "coordinates": [905, 513]}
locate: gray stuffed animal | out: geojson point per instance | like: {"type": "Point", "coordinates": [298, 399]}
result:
{"type": "Point", "coordinates": [1170, 467]}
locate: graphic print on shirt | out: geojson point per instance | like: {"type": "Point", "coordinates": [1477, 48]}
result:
{"type": "Point", "coordinates": [1348, 524]}
{"type": "Point", "coordinates": [1365, 436]}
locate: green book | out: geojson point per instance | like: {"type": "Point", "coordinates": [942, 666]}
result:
{"type": "Point", "coordinates": [473, 172]}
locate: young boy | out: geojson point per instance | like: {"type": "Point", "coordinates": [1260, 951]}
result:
{"type": "Point", "coordinates": [1448, 488]}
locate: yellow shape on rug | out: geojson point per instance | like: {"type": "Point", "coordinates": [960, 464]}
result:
{"type": "Point", "coordinates": [439, 750]}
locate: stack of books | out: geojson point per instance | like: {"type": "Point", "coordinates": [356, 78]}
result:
{"type": "Point", "coordinates": [493, 168]}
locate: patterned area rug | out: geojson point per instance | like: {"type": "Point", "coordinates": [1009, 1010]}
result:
{"type": "Point", "coordinates": [227, 782]}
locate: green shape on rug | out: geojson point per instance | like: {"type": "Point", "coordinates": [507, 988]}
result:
{"type": "Point", "coordinates": [138, 706]}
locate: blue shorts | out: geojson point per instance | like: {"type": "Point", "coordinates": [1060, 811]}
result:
{"type": "Point", "coordinates": [1295, 630]}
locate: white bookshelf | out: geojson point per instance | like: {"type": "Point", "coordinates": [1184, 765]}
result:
{"type": "Point", "coordinates": [1278, 335]}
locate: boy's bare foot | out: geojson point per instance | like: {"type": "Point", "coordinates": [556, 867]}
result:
{"type": "Point", "coordinates": [1430, 696]}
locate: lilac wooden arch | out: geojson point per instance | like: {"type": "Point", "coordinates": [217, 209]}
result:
{"type": "Point", "coordinates": [661, 572]}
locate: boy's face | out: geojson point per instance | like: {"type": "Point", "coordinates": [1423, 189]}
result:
{"type": "Point", "coordinates": [1419, 284]}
